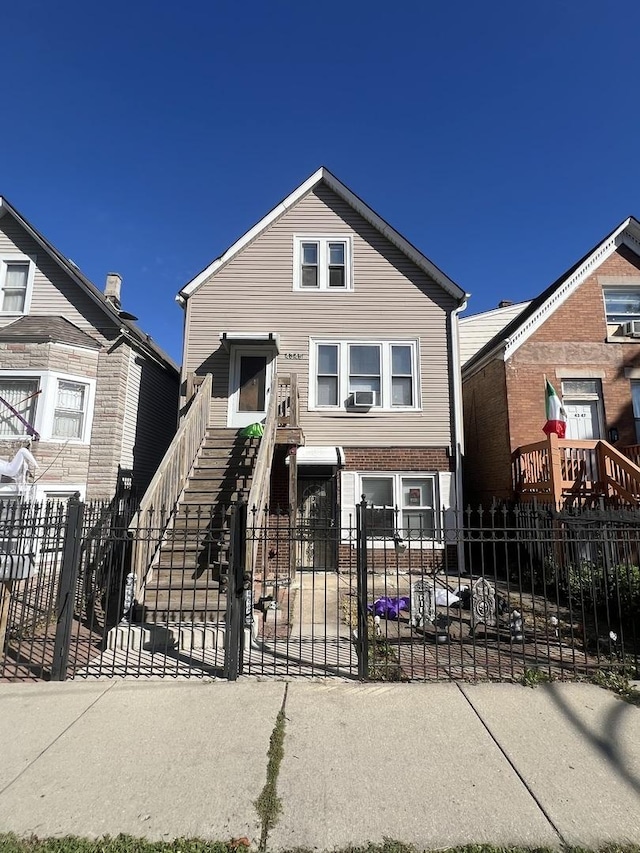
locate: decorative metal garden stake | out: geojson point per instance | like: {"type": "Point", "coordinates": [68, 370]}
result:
{"type": "Point", "coordinates": [423, 610]}
{"type": "Point", "coordinates": [483, 604]}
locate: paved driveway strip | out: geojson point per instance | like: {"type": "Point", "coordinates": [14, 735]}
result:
{"type": "Point", "coordinates": [578, 749]}
{"type": "Point", "coordinates": [157, 759]}
{"type": "Point", "coordinates": [411, 762]}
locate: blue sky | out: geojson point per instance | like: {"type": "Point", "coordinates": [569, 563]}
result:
{"type": "Point", "coordinates": [145, 137]}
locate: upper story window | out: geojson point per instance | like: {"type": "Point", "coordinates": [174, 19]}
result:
{"type": "Point", "coordinates": [70, 410]}
{"type": "Point", "coordinates": [622, 304]}
{"type": "Point", "coordinates": [16, 282]}
{"type": "Point", "coordinates": [363, 375]}
{"type": "Point", "coordinates": [22, 395]}
{"type": "Point", "coordinates": [322, 264]}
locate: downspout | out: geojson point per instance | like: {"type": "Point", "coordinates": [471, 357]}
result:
{"type": "Point", "coordinates": [458, 428]}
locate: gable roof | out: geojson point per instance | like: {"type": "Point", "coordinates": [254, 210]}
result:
{"type": "Point", "coordinates": [45, 328]}
{"type": "Point", "coordinates": [520, 329]}
{"type": "Point", "coordinates": [476, 329]}
{"type": "Point", "coordinates": [135, 336]}
{"type": "Point", "coordinates": [324, 175]}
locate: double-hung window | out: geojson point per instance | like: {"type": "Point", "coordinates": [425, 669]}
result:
{"type": "Point", "coordinates": [70, 409]}
{"type": "Point", "coordinates": [21, 395]}
{"type": "Point", "coordinates": [400, 504]}
{"type": "Point", "coordinates": [16, 280]}
{"type": "Point", "coordinates": [322, 263]}
{"type": "Point", "coordinates": [386, 369]}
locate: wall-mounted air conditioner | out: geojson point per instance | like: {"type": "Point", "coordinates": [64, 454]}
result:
{"type": "Point", "coordinates": [365, 398]}
{"type": "Point", "coordinates": [632, 329]}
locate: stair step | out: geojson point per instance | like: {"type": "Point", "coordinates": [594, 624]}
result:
{"type": "Point", "coordinates": [202, 633]}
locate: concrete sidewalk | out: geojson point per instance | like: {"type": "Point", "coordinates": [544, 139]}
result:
{"type": "Point", "coordinates": [434, 765]}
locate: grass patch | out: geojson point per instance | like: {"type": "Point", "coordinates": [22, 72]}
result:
{"type": "Point", "coordinates": [269, 805]}
{"type": "Point", "coordinates": [534, 677]}
{"type": "Point", "coordinates": [127, 844]}
{"type": "Point", "coordinates": [618, 683]}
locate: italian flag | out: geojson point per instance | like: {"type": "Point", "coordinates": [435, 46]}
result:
{"type": "Point", "coordinates": [556, 415]}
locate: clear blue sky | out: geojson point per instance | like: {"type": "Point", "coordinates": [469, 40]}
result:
{"type": "Point", "coordinates": [145, 137]}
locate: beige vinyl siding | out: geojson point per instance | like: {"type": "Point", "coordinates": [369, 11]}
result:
{"type": "Point", "coordinates": [130, 411]}
{"type": "Point", "coordinates": [392, 299]}
{"type": "Point", "coordinates": [478, 329]}
{"type": "Point", "coordinates": [54, 292]}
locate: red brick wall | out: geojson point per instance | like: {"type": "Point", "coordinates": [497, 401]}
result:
{"type": "Point", "coordinates": [487, 461]}
{"type": "Point", "coordinates": [397, 459]}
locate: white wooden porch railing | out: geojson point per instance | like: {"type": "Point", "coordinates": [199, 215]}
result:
{"type": "Point", "coordinates": [158, 505]}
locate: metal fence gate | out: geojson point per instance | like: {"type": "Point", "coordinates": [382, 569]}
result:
{"type": "Point", "coordinates": [487, 595]}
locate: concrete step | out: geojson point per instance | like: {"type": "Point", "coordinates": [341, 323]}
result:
{"type": "Point", "coordinates": [156, 637]}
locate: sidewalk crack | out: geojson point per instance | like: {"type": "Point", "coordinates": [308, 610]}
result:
{"type": "Point", "coordinates": [268, 805]}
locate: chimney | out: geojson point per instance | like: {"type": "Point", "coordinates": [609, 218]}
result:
{"type": "Point", "coordinates": [504, 303]}
{"type": "Point", "coordinates": [112, 289]}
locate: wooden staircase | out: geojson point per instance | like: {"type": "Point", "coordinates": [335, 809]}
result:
{"type": "Point", "coordinates": [189, 578]}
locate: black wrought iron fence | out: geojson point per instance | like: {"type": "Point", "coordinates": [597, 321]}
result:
{"type": "Point", "coordinates": [483, 595]}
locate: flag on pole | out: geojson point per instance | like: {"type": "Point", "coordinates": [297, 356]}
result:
{"type": "Point", "coordinates": [556, 414]}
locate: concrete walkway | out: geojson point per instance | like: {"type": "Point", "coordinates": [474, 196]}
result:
{"type": "Point", "coordinates": [430, 764]}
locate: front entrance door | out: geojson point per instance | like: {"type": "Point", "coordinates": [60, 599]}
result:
{"type": "Point", "coordinates": [316, 521]}
{"type": "Point", "coordinates": [249, 386]}
{"type": "Point", "coordinates": [582, 420]}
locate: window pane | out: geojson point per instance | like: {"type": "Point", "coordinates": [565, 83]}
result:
{"type": "Point", "coordinates": [68, 417]}
{"type": "Point", "coordinates": [401, 361]}
{"type": "Point", "coordinates": [622, 304]}
{"type": "Point", "coordinates": [365, 383]}
{"type": "Point", "coordinates": [635, 396]}
{"type": "Point", "coordinates": [21, 394]}
{"type": "Point", "coordinates": [309, 276]}
{"type": "Point", "coordinates": [580, 387]}
{"type": "Point", "coordinates": [378, 490]}
{"type": "Point", "coordinates": [401, 391]}
{"type": "Point", "coordinates": [13, 301]}
{"type": "Point", "coordinates": [336, 277]}
{"type": "Point", "coordinates": [327, 359]}
{"type": "Point", "coordinates": [417, 492]}
{"type": "Point", "coordinates": [309, 253]}
{"type": "Point", "coordinates": [327, 391]}
{"type": "Point", "coordinates": [419, 524]}
{"type": "Point", "coordinates": [364, 360]}
{"type": "Point", "coordinates": [336, 254]}
{"type": "Point", "coordinates": [16, 278]}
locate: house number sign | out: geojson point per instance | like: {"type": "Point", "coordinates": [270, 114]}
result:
{"type": "Point", "coordinates": [293, 356]}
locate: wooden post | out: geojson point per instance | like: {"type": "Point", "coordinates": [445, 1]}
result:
{"type": "Point", "coordinates": [5, 601]}
{"type": "Point", "coordinates": [293, 396]}
{"type": "Point", "coordinates": [555, 469]}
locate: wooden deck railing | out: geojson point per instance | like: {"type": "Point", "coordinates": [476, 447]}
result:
{"type": "Point", "coordinates": [557, 470]}
{"type": "Point", "coordinates": [288, 401]}
{"type": "Point", "coordinates": [158, 504]}
{"type": "Point", "coordinates": [632, 452]}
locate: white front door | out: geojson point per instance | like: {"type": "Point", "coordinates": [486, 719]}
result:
{"type": "Point", "coordinates": [250, 374]}
{"type": "Point", "coordinates": [583, 421]}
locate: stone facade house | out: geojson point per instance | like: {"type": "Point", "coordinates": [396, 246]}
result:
{"type": "Point", "coordinates": [325, 297]}
{"type": "Point", "coordinates": [94, 392]}
{"type": "Point", "coordinates": [582, 334]}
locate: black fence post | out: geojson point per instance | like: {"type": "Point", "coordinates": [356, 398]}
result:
{"type": "Point", "coordinates": [66, 588]}
{"type": "Point", "coordinates": [362, 566]}
{"type": "Point", "coordinates": [235, 616]}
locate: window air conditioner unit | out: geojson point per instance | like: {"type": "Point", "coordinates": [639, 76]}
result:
{"type": "Point", "coordinates": [632, 329]}
{"type": "Point", "coordinates": [368, 398]}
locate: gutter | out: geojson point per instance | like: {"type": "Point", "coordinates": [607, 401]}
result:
{"type": "Point", "coordinates": [458, 424]}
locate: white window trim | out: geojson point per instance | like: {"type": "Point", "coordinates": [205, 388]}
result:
{"type": "Point", "coordinates": [323, 241]}
{"type": "Point", "coordinates": [385, 374]}
{"type": "Point", "coordinates": [398, 477]}
{"type": "Point", "coordinates": [46, 406]}
{"type": "Point", "coordinates": [12, 258]}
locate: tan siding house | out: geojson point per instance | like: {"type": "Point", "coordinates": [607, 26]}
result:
{"type": "Point", "coordinates": [70, 372]}
{"type": "Point", "coordinates": [324, 288]}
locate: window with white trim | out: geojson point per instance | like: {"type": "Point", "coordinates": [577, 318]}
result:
{"type": "Point", "coordinates": [18, 403]}
{"type": "Point", "coordinates": [401, 504]}
{"type": "Point", "coordinates": [58, 406]}
{"type": "Point", "coordinates": [622, 304]}
{"type": "Point", "coordinates": [16, 283]}
{"type": "Point", "coordinates": [322, 263]}
{"type": "Point", "coordinates": [387, 369]}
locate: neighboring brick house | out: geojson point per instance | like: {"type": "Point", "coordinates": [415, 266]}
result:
{"type": "Point", "coordinates": [325, 288]}
{"type": "Point", "coordinates": [583, 334]}
{"type": "Point", "coordinates": [99, 394]}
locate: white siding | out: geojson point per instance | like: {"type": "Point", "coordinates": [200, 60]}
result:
{"type": "Point", "coordinates": [131, 411]}
{"type": "Point", "coordinates": [477, 330]}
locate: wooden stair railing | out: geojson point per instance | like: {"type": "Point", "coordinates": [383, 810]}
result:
{"type": "Point", "coordinates": [558, 470]}
{"type": "Point", "coordinates": [159, 502]}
